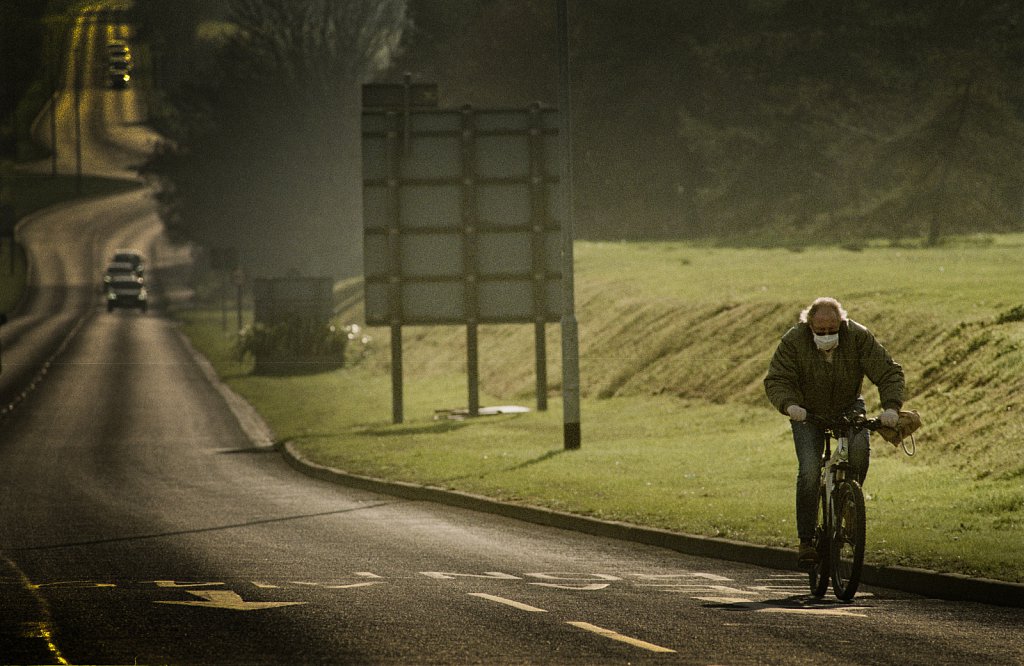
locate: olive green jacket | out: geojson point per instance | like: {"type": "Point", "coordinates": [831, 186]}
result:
{"type": "Point", "coordinates": [800, 374]}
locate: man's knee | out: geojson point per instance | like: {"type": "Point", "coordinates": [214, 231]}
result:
{"type": "Point", "coordinates": [860, 454]}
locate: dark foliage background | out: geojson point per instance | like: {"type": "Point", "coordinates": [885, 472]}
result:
{"type": "Point", "coordinates": [760, 119]}
{"type": "Point", "coordinates": [752, 121]}
{"type": "Point", "coordinates": [261, 121]}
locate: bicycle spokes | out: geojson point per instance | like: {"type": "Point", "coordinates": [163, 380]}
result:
{"type": "Point", "coordinates": [848, 539]}
{"type": "Point", "coordinates": [818, 574]}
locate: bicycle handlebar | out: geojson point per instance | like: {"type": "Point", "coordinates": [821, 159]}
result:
{"type": "Point", "coordinates": [841, 425]}
{"type": "Point", "coordinates": [844, 422]}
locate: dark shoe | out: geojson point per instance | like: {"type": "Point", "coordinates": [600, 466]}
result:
{"type": "Point", "coordinates": [808, 555]}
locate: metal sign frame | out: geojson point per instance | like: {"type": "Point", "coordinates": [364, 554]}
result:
{"type": "Point", "coordinates": [459, 225]}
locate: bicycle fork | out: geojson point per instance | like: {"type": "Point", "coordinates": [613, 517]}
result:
{"type": "Point", "coordinates": [836, 468]}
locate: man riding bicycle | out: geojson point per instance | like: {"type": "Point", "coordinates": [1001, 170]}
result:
{"type": "Point", "coordinates": [819, 367]}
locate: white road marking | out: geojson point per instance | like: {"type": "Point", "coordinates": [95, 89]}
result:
{"type": "Point", "coordinates": [339, 586]}
{"type": "Point", "coordinates": [615, 636]}
{"type": "Point", "coordinates": [447, 575]}
{"type": "Point", "coordinates": [694, 587]}
{"type": "Point", "coordinates": [576, 577]}
{"type": "Point", "coordinates": [508, 602]}
{"type": "Point", "coordinates": [592, 586]}
{"type": "Point", "coordinates": [72, 583]}
{"type": "Point", "coordinates": [684, 574]}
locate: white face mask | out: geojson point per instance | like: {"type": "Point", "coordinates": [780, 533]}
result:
{"type": "Point", "coordinates": [826, 342]}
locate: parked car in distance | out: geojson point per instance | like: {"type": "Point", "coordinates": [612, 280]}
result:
{"type": "Point", "coordinates": [127, 291]}
{"type": "Point", "coordinates": [119, 74]}
{"type": "Point", "coordinates": [133, 257]}
{"type": "Point", "coordinates": [118, 47]}
{"type": "Point", "coordinates": [119, 269]}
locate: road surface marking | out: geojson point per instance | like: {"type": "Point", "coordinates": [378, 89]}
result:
{"type": "Point", "coordinates": [72, 583]}
{"type": "Point", "coordinates": [615, 636]}
{"type": "Point", "coordinates": [228, 600]}
{"type": "Point", "coordinates": [338, 586]}
{"type": "Point", "coordinates": [564, 577]}
{"type": "Point", "coordinates": [761, 607]}
{"type": "Point", "coordinates": [447, 575]}
{"type": "Point", "coordinates": [175, 584]}
{"type": "Point", "coordinates": [684, 574]}
{"type": "Point", "coordinates": [508, 602]}
{"type": "Point", "coordinates": [696, 587]}
{"type": "Point", "coordinates": [44, 627]}
{"type": "Point", "coordinates": [592, 586]}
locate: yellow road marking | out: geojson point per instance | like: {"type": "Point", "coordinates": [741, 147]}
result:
{"type": "Point", "coordinates": [228, 600]}
{"type": "Point", "coordinates": [615, 636]}
{"type": "Point", "coordinates": [508, 602]}
{"type": "Point", "coordinates": [44, 628]}
{"type": "Point", "coordinates": [176, 584]}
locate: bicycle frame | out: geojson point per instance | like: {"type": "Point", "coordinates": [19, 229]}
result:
{"type": "Point", "coordinates": [840, 533]}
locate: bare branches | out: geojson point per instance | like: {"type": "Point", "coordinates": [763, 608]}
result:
{"type": "Point", "coordinates": [319, 45]}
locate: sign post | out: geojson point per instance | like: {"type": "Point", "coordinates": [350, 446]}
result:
{"type": "Point", "coordinates": [570, 333]}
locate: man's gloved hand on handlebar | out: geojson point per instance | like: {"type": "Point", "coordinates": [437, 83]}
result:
{"type": "Point", "coordinates": [890, 418]}
{"type": "Point", "coordinates": [796, 413]}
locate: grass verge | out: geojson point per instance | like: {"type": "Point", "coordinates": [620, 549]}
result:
{"type": "Point", "coordinates": [669, 439]}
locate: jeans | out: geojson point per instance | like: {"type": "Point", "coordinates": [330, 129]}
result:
{"type": "Point", "coordinates": [810, 444]}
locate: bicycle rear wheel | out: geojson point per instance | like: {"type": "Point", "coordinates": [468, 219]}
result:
{"type": "Point", "coordinates": [848, 538]}
{"type": "Point", "coordinates": [818, 574]}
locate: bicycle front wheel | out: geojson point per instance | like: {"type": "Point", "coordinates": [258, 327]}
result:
{"type": "Point", "coordinates": [848, 539]}
{"type": "Point", "coordinates": [818, 573]}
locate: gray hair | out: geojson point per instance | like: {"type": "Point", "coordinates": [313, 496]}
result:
{"type": "Point", "coordinates": [823, 302]}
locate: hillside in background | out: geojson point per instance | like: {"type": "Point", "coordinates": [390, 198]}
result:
{"type": "Point", "coordinates": [758, 120]}
{"type": "Point", "coordinates": [700, 324]}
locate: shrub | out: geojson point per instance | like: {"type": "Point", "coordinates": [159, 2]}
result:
{"type": "Point", "coordinates": [296, 344]}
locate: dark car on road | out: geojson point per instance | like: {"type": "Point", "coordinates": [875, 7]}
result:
{"type": "Point", "coordinates": [127, 291]}
{"type": "Point", "coordinates": [119, 74]}
{"type": "Point", "coordinates": [133, 257]}
{"type": "Point", "coordinates": [118, 269]}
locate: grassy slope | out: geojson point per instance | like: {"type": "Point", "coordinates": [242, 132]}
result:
{"type": "Point", "coordinates": [674, 342]}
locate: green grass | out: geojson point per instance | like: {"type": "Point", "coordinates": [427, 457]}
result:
{"type": "Point", "coordinates": [675, 339]}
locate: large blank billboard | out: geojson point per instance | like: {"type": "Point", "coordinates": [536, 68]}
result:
{"type": "Point", "coordinates": [460, 214]}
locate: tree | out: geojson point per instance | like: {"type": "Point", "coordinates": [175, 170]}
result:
{"type": "Point", "coordinates": [21, 35]}
{"type": "Point", "coordinates": [263, 143]}
{"type": "Point", "coordinates": [763, 118]}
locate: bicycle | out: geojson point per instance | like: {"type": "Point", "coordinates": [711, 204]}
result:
{"type": "Point", "coordinates": [839, 534]}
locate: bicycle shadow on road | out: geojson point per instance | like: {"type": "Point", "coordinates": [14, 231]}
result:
{"type": "Point", "coordinates": [801, 604]}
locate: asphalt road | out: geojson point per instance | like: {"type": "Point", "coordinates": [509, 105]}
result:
{"type": "Point", "coordinates": [140, 523]}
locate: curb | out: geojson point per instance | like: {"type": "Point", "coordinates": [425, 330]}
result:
{"type": "Point", "coordinates": [932, 584]}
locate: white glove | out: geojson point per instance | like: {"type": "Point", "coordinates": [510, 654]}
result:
{"type": "Point", "coordinates": [890, 418]}
{"type": "Point", "coordinates": [796, 412]}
